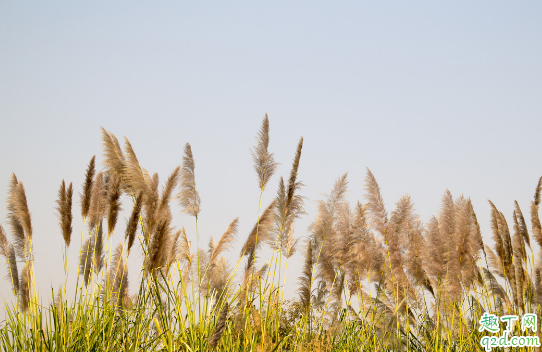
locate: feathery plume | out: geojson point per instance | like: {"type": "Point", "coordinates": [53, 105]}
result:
{"type": "Point", "coordinates": [173, 253]}
{"type": "Point", "coordinates": [19, 219]}
{"type": "Point", "coordinates": [184, 248]}
{"type": "Point", "coordinates": [535, 221]}
{"type": "Point", "coordinates": [292, 184]}
{"type": "Point", "coordinates": [219, 278]}
{"type": "Point", "coordinates": [375, 204]}
{"type": "Point", "coordinates": [97, 201]}
{"type": "Point", "coordinates": [225, 241]}
{"type": "Point", "coordinates": [3, 242]}
{"type": "Point", "coordinates": [87, 187]}
{"type": "Point", "coordinates": [220, 326]}
{"type": "Point", "coordinates": [114, 193]}
{"type": "Point", "coordinates": [264, 162]}
{"type": "Point", "coordinates": [260, 232]}
{"type": "Point", "coordinates": [518, 244]}
{"type": "Point", "coordinates": [305, 280]}
{"type": "Point", "coordinates": [157, 247]}
{"type": "Point", "coordinates": [290, 245]}
{"type": "Point", "coordinates": [436, 247]}
{"type": "Point", "coordinates": [132, 173]}
{"type": "Point", "coordinates": [131, 229]}
{"type": "Point", "coordinates": [64, 208]}
{"type": "Point", "coordinates": [24, 289]}
{"type": "Point", "coordinates": [188, 195]}
{"type": "Point", "coordinates": [118, 278]}
{"type": "Point", "coordinates": [113, 155]}
{"type": "Point", "coordinates": [150, 206]}
{"type": "Point", "coordinates": [169, 187]}
{"type": "Point", "coordinates": [522, 225]}
{"type": "Point", "coordinates": [98, 249]}
{"type": "Point", "coordinates": [85, 261]}
{"type": "Point", "coordinates": [22, 212]}
{"type": "Point", "coordinates": [499, 244]}
{"type": "Point", "coordinates": [7, 250]}
{"type": "Point", "coordinates": [290, 206]}
{"type": "Point", "coordinates": [537, 192]}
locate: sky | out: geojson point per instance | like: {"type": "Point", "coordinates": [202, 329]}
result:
{"type": "Point", "coordinates": [428, 95]}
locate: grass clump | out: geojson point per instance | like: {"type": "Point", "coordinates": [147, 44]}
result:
{"type": "Point", "coordinates": [371, 279]}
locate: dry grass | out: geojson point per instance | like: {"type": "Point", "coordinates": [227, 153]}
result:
{"type": "Point", "coordinates": [372, 279]}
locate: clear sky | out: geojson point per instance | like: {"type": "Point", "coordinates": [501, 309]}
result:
{"type": "Point", "coordinates": [428, 95]}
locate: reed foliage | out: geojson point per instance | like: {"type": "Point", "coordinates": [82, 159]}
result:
{"type": "Point", "coordinates": [373, 279]}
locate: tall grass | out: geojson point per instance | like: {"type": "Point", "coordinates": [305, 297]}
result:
{"type": "Point", "coordinates": [371, 279]}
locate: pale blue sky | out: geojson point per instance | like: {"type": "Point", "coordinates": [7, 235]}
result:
{"type": "Point", "coordinates": [428, 95]}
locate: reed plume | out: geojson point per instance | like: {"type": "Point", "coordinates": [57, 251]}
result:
{"type": "Point", "coordinates": [85, 260]}
{"type": "Point", "coordinates": [290, 245]}
{"type": "Point", "coordinates": [19, 219]}
{"type": "Point", "coordinates": [98, 248]}
{"type": "Point", "coordinates": [293, 185]}
{"type": "Point", "coordinates": [157, 248]}
{"type": "Point", "coordinates": [214, 339]}
{"type": "Point", "coordinates": [305, 280]}
{"type": "Point", "coordinates": [535, 223]}
{"type": "Point", "coordinates": [219, 277]}
{"type": "Point", "coordinates": [225, 242]}
{"type": "Point", "coordinates": [173, 253]}
{"type": "Point", "coordinates": [91, 256]}
{"type": "Point", "coordinates": [113, 156]}
{"type": "Point", "coordinates": [264, 162]}
{"type": "Point", "coordinates": [118, 278]}
{"type": "Point", "coordinates": [188, 195]}
{"type": "Point", "coordinates": [64, 209]}
{"type": "Point", "coordinates": [259, 233]}
{"type": "Point", "coordinates": [150, 207]}
{"type": "Point", "coordinates": [520, 256]}
{"type": "Point", "coordinates": [87, 187]}
{"type": "Point", "coordinates": [98, 201]}
{"type": "Point", "coordinates": [113, 193]}
{"type": "Point", "coordinates": [522, 224]}
{"type": "Point", "coordinates": [17, 230]}
{"type": "Point", "coordinates": [364, 256]}
{"type": "Point", "coordinates": [169, 187]}
{"type": "Point", "coordinates": [497, 238]}
{"type": "Point", "coordinates": [132, 174]}
{"type": "Point", "coordinates": [7, 250]}
{"type": "Point", "coordinates": [375, 204]}
{"type": "Point", "coordinates": [289, 207]}
{"type": "Point", "coordinates": [436, 247]}
{"type": "Point", "coordinates": [466, 241]}
{"type": "Point", "coordinates": [537, 192]}
{"type": "Point", "coordinates": [184, 248]}
{"type": "Point", "coordinates": [415, 257]}
{"type": "Point", "coordinates": [133, 222]}
{"type": "Point", "coordinates": [24, 288]}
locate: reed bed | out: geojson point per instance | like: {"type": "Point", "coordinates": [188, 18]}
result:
{"type": "Point", "coordinates": [372, 280]}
